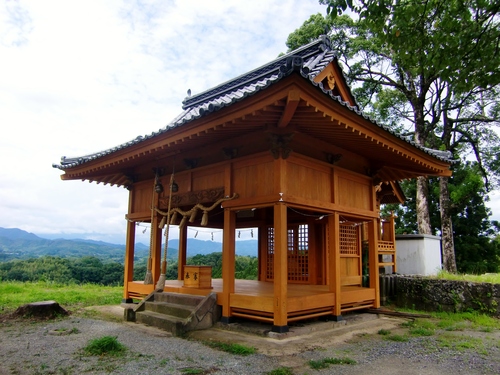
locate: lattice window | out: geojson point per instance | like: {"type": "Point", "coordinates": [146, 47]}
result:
{"type": "Point", "coordinates": [349, 239]}
{"type": "Point", "coordinates": [270, 254]}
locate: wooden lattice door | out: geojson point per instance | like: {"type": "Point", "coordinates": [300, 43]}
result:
{"type": "Point", "coordinates": [297, 254]}
{"type": "Point", "coordinates": [350, 254]}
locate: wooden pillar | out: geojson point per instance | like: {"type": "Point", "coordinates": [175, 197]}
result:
{"type": "Point", "coordinates": [128, 275]}
{"type": "Point", "coordinates": [182, 252]}
{"type": "Point", "coordinates": [280, 268]}
{"type": "Point", "coordinates": [334, 263]}
{"type": "Point", "coordinates": [228, 263]}
{"type": "Point", "coordinates": [157, 250]}
{"type": "Point", "coordinates": [373, 231]}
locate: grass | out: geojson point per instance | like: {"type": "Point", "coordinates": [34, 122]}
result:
{"type": "Point", "coordinates": [326, 362]}
{"type": "Point", "coordinates": [493, 278]}
{"type": "Point", "coordinates": [192, 371]}
{"type": "Point", "coordinates": [396, 338]}
{"type": "Point", "coordinates": [14, 294]}
{"type": "Point", "coordinates": [106, 345]}
{"type": "Point", "coordinates": [231, 348]}
{"type": "Point", "coordinates": [280, 371]}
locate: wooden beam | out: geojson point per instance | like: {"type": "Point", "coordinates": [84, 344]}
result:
{"type": "Point", "coordinates": [291, 105]}
{"type": "Point", "coordinates": [373, 234]}
{"type": "Point", "coordinates": [128, 274]}
{"type": "Point", "coordinates": [280, 323]}
{"type": "Point", "coordinates": [182, 252]}
{"type": "Point", "coordinates": [228, 263]}
{"type": "Point", "coordinates": [334, 281]}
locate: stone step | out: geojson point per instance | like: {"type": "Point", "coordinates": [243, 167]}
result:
{"type": "Point", "coordinates": [169, 323]}
{"type": "Point", "coordinates": [179, 299]}
{"type": "Point", "coordinates": [167, 308]}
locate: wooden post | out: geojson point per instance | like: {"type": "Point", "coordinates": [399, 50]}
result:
{"type": "Point", "coordinates": [373, 231]}
{"type": "Point", "coordinates": [280, 268]}
{"type": "Point", "coordinates": [334, 263]}
{"type": "Point", "coordinates": [228, 263]}
{"type": "Point", "coordinates": [182, 252]}
{"type": "Point", "coordinates": [128, 275]}
{"type": "Point", "coordinates": [156, 253]}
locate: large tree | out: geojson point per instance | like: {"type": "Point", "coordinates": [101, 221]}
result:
{"type": "Point", "coordinates": [477, 250]}
{"type": "Point", "coordinates": [422, 61]}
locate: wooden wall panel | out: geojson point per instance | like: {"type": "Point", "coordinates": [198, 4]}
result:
{"type": "Point", "coordinates": [142, 195]}
{"type": "Point", "coordinates": [208, 179]}
{"type": "Point", "coordinates": [350, 271]}
{"type": "Point", "coordinates": [354, 193]}
{"type": "Point", "coordinates": [253, 180]}
{"type": "Point", "coordinates": [309, 183]}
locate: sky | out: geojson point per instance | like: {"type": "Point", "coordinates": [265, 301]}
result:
{"type": "Point", "coordinates": [78, 77]}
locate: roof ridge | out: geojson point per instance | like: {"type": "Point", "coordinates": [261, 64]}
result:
{"type": "Point", "coordinates": [322, 43]}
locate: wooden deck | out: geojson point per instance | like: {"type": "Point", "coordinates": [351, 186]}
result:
{"type": "Point", "coordinates": [254, 299]}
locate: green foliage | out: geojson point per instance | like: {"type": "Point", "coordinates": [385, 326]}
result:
{"type": "Point", "coordinates": [396, 338]}
{"type": "Point", "coordinates": [310, 30]}
{"type": "Point", "coordinates": [476, 249]}
{"type": "Point", "coordinates": [246, 267]}
{"type": "Point", "coordinates": [106, 345]}
{"type": "Point", "coordinates": [280, 371]}
{"type": "Point", "coordinates": [238, 349]}
{"type": "Point", "coordinates": [493, 278]}
{"type": "Point", "coordinates": [63, 270]}
{"type": "Point", "coordinates": [326, 362]}
{"type": "Point", "coordinates": [384, 332]}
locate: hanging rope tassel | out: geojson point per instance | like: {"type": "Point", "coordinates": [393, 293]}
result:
{"type": "Point", "coordinates": [204, 219]}
{"type": "Point", "coordinates": [162, 222]}
{"type": "Point", "coordinates": [193, 215]}
{"type": "Point", "coordinates": [160, 285]}
{"type": "Point", "coordinates": [173, 219]}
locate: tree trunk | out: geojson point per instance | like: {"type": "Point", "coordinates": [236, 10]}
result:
{"type": "Point", "coordinates": [423, 216]}
{"type": "Point", "coordinates": [422, 198]}
{"type": "Point", "coordinates": [448, 245]}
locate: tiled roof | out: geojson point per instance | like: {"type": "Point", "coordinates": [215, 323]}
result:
{"type": "Point", "coordinates": [308, 60]}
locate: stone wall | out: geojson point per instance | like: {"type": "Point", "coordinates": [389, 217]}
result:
{"type": "Point", "coordinates": [443, 295]}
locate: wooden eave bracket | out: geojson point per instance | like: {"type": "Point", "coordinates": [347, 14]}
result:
{"type": "Point", "coordinates": [292, 103]}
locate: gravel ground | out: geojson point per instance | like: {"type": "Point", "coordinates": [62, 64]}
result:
{"type": "Point", "coordinates": [39, 348]}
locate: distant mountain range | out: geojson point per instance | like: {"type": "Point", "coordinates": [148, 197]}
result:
{"type": "Point", "coordinates": [19, 244]}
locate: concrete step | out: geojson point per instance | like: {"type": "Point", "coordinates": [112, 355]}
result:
{"type": "Point", "coordinates": [167, 308]}
{"type": "Point", "coordinates": [166, 322]}
{"type": "Point", "coordinates": [178, 299]}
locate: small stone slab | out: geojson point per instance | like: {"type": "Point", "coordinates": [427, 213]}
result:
{"type": "Point", "coordinates": [41, 310]}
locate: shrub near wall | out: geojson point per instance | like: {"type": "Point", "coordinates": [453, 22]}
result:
{"type": "Point", "coordinates": [446, 295]}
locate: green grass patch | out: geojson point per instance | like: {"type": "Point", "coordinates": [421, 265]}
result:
{"type": "Point", "coordinates": [192, 371]}
{"type": "Point", "coordinates": [462, 343]}
{"type": "Point", "coordinates": [106, 345]}
{"type": "Point", "coordinates": [326, 362]}
{"type": "Point", "coordinates": [280, 371]}
{"type": "Point", "coordinates": [231, 348]}
{"type": "Point", "coordinates": [420, 327]}
{"type": "Point", "coordinates": [397, 338]}
{"type": "Point", "coordinates": [467, 320]}
{"type": "Point", "coordinates": [14, 294]}
{"type": "Point", "coordinates": [493, 278]}
{"type": "Point", "coordinates": [384, 332]}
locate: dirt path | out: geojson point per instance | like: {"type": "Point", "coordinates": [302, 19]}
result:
{"type": "Point", "coordinates": [40, 348]}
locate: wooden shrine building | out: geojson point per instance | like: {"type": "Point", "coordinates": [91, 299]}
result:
{"type": "Point", "coordinates": [283, 148]}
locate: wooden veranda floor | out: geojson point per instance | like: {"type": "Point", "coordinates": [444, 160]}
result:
{"type": "Point", "coordinates": [254, 299]}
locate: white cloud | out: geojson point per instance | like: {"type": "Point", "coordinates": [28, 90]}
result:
{"type": "Point", "coordinates": [81, 76]}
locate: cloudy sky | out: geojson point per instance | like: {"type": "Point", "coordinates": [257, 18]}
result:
{"type": "Point", "coordinates": [78, 77]}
